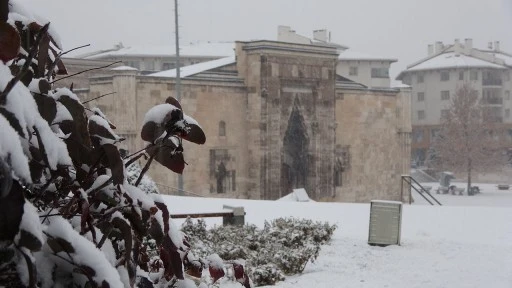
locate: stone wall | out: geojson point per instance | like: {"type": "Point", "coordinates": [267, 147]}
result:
{"type": "Point", "coordinates": [367, 131]}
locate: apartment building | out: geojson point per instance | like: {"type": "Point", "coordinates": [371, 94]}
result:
{"type": "Point", "coordinates": [435, 78]}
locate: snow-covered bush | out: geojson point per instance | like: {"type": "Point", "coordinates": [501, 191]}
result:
{"type": "Point", "coordinates": [283, 247]}
{"type": "Point", "coordinates": [146, 184]}
{"type": "Point", "coordinates": [68, 215]}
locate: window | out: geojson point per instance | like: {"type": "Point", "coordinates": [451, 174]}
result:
{"type": "Point", "coordinates": [167, 66]}
{"type": "Point", "coordinates": [473, 75]}
{"type": "Point", "coordinates": [352, 71]}
{"type": "Point", "coordinates": [445, 76]}
{"type": "Point", "coordinates": [421, 78]}
{"type": "Point", "coordinates": [445, 95]}
{"type": "Point", "coordinates": [445, 113]}
{"type": "Point", "coordinates": [222, 128]}
{"type": "Point", "coordinates": [150, 65]}
{"type": "Point", "coordinates": [507, 113]}
{"type": "Point", "coordinates": [507, 95]}
{"type": "Point", "coordinates": [134, 64]}
{"type": "Point", "coordinates": [380, 72]}
{"type": "Point", "coordinates": [461, 75]}
{"type": "Point", "coordinates": [507, 76]}
{"type": "Point", "coordinates": [417, 135]}
{"type": "Point", "coordinates": [421, 96]}
{"type": "Point", "coordinates": [421, 114]}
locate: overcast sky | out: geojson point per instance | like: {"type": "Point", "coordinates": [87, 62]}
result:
{"type": "Point", "coordinates": [393, 28]}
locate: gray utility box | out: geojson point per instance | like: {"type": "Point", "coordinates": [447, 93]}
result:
{"type": "Point", "coordinates": [385, 223]}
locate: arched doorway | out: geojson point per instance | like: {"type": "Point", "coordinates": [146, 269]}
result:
{"type": "Point", "coordinates": [294, 159]}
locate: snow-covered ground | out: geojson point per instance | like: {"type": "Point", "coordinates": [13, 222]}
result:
{"type": "Point", "coordinates": [465, 243]}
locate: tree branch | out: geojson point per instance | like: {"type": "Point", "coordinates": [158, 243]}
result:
{"type": "Point", "coordinates": [86, 70]}
{"type": "Point", "coordinates": [98, 97]}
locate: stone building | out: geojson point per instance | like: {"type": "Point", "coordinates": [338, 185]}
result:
{"type": "Point", "coordinates": [435, 78]}
{"type": "Point", "coordinates": [276, 116]}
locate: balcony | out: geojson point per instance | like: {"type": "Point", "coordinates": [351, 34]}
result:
{"type": "Point", "coordinates": [491, 101]}
{"type": "Point", "coordinates": [491, 82]}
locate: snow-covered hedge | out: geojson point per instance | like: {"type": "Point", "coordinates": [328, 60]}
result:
{"type": "Point", "coordinates": [69, 217]}
{"type": "Point", "coordinates": [283, 247]}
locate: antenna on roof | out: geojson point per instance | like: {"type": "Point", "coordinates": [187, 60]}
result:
{"type": "Point", "coordinates": [178, 76]}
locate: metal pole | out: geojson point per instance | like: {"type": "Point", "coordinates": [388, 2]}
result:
{"type": "Point", "coordinates": [178, 76]}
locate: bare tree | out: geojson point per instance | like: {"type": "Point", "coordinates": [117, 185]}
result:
{"type": "Point", "coordinates": [469, 139]}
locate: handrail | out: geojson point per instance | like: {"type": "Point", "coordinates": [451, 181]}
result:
{"type": "Point", "coordinates": [409, 180]}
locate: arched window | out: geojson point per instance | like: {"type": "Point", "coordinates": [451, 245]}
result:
{"type": "Point", "coordinates": [222, 128]}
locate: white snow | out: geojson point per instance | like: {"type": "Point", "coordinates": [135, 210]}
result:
{"type": "Point", "coordinates": [442, 246]}
{"type": "Point", "coordinates": [157, 113]}
{"type": "Point", "coordinates": [124, 68]}
{"type": "Point", "coordinates": [10, 147]}
{"type": "Point", "coordinates": [196, 68]}
{"type": "Point", "coordinates": [104, 123]}
{"type": "Point", "coordinates": [30, 222]}
{"type": "Point", "coordinates": [453, 60]}
{"type": "Point", "coordinates": [204, 49]}
{"type": "Point", "coordinates": [63, 113]}
{"type": "Point", "coordinates": [21, 103]}
{"type": "Point", "coordinates": [59, 92]}
{"type": "Point", "coordinates": [191, 120]}
{"type": "Point", "coordinates": [16, 8]}
{"type": "Point", "coordinates": [298, 195]}
{"type": "Point", "coordinates": [86, 252]}
{"type": "Point", "coordinates": [352, 55]}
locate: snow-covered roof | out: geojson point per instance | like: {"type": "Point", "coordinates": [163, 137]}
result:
{"type": "Point", "coordinates": [205, 49]}
{"type": "Point", "coordinates": [196, 68]}
{"type": "Point", "coordinates": [351, 54]}
{"type": "Point", "coordinates": [124, 68]}
{"type": "Point", "coordinates": [453, 60]}
{"type": "Point", "coordinates": [507, 58]}
{"type": "Point", "coordinates": [398, 84]}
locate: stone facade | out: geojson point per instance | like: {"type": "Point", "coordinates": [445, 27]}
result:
{"type": "Point", "coordinates": [277, 119]}
{"type": "Point", "coordinates": [373, 137]}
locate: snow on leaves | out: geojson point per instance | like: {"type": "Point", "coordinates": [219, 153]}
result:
{"type": "Point", "coordinates": [68, 215]}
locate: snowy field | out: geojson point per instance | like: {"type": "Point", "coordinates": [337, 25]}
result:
{"type": "Point", "coordinates": [465, 243]}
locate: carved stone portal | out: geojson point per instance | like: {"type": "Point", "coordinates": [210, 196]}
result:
{"type": "Point", "coordinates": [294, 165]}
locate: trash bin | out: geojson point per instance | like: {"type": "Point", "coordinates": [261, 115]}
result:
{"type": "Point", "coordinates": [385, 223]}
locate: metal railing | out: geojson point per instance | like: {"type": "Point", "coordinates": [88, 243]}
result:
{"type": "Point", "coordinates": [168, 190]}
{"type": "Point", "coordinates": [418, 188]}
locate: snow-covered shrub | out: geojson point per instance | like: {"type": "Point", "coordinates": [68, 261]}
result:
{"type": "Point", "coordinates": [146, 184]}
{"type": "Point", "coordinates": [69, 217]}
{"type": "Point", "coordinates": [283, 247]}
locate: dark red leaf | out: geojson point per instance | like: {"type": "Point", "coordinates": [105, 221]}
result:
{"type": "Point", "coordinates": [11, 212]}
{"type": "Point", "coordinates": [171, 100]}
{"type": "Point", "coordinates": [195, 135]}
{"type": "Point", "coordinates": [126, 231]}
{"type": "Point", "coordinates": [115, 163]}
{"type": "Point", "coordinates": [165, 215]}
{"type": "Point", "coordinates": [151, 131]}
{"type": "Point", "coordinates": [60, 245]}
{"type": "Point", "coordinates": [216, 273]}
{"type": "Point", "coordinates": [28, 240]}
{"type": "Point", "coordinates": [168, 156]}
{"type": "Point", "coordinates": [174, 258]}
{"type": "Point", "coordinates": [238, 269]}
{"type": "Point", "coordinates": [42, 57]}
{"type": "Point", "coordinates": [9, 42]}
{"type": "Point", "coordinates": [97, 132]}
{"type": "Point", "coordinates": [46, 105]}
